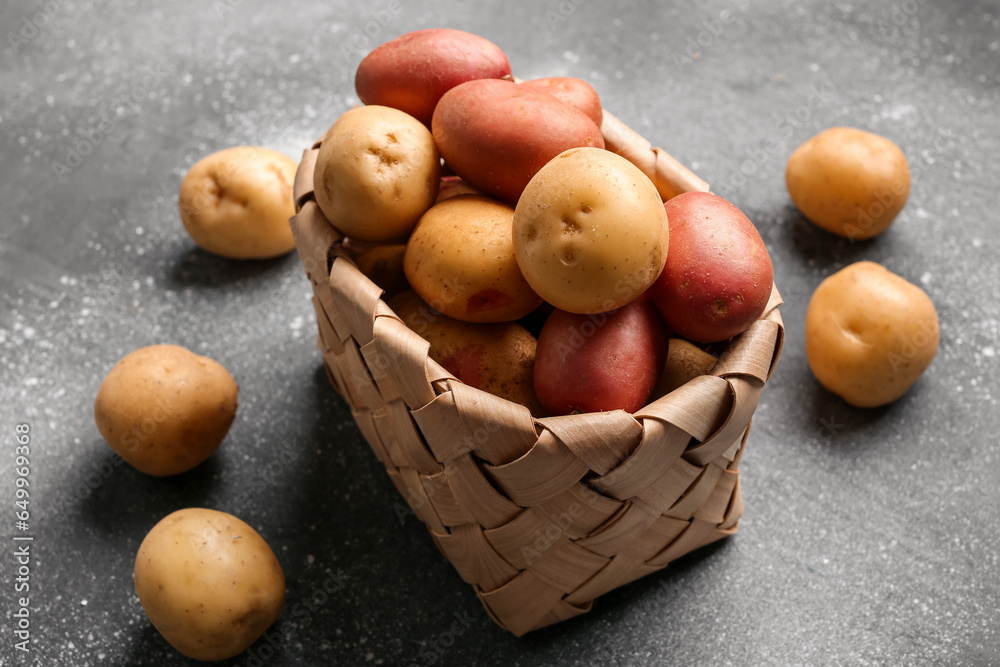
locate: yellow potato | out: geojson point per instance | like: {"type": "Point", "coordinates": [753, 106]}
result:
{"type": "Point", "coordinates": [208, 582]}
{"type": "Point", "coordinates": [460, 259]}
{"type": "Point", "coordinates": [498, 358]}
{"type": "Point", "coordinates": [849, 182]}
{"type": "Point", "coordinates": [685, 361]}
{"type": "Point", "coordinates": [590, 231]}
{"type": "Point", "coordinates": [383, 265]}
{"type": "Point", "coordinates": [869, 334]}
{"type": "Point", "coordinates": [165, 409]}
{"type": "Point", "coordinates": [376, 173]}
{"type": "Point", "coordinates": [236, 203]}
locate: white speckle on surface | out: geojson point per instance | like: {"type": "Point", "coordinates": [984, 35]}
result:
{"type": "Point", "coordinates": [297, 323]}
{"type": "Point", "coordinates": [926, 278]}
{"type": "Point", "coordinates": [84, 603]}
{"type": "Point", "coordinates": [923, 214]}
{"type": "Point", "coordinates": [988, 351]}
{"type": "Point", "coordinates": [570, 56]}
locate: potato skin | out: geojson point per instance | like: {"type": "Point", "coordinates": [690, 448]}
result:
{"type": "Point", "coordinates": [498, 358]}
{"type": "Point", "coordinates": [574, 92]}
{"type": "Point", "coordinates": [497, 134]}
{"type": "Point", "coordinates": [870, 334]}
{"type": "Point", "coordinates": [165, 409]}
{"type": "Point", "coordinates": [413, 71]}
{"type": "Point", "coordinates": [685, 361]}
{"type": "Point", "coordinates": [590, 231]}
{"type": "Point", "coordinates": [376, 173]}
{"type": "Point", "coordinates": [208, 582]}
{"type": "Point", "coordinates": [236, 202]}
{"type": "Point", "coordinates": [718, 275]}
{"type": "Point", "coordinates": [849, 182]}
{"type": "Point", "coordinates": [383, 265]}
{"type": "Point", "coordinates": [607, 361]}
{"type": "Point", "coordinates": [460, 258]}
{"type": "Point", "coordinates": [452, 186]}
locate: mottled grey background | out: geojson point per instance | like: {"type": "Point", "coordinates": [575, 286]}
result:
{"type": "Point", "coordinates": [870, 537]}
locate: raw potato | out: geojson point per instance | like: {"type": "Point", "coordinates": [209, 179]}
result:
{"type": "Point", "coordinates": [590, 231]}
{"type": "Point", "coordinates": [574, 92]}
{"type": "Point", "coordinates": [452, 186]}
{"type": "Point", "coordinates": [869, 334]}
{"type": "Point", "coordinates": [236, 203]}
{"type": "Point", "coordinates": [460, 259]}
{"type": "Point", "coordinates": [498, 358]}
{"type": "Point", "coordinates": [718, 276]}
{"type": "Point", "coordinates": [849, 182]}
{"type": "Point", "coordinates": [165, 409]}
{"type": "Point", "coordinates": [607, 361]}
{"type": "Point", "coordinates": [376, 173]}
{"type": "Point", "coordinates": [413, 71]}
{"type": "Point", "coordinates": [497, 134]}
{"type": "Point", "coordinates": [208, 582]}
{"type": "Point", "coordinates": [685, 362]}
{"type": "Point", "coordinates": [384, 266]}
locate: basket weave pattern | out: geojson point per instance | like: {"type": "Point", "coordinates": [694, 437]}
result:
{"type": "Point", "coordinates": [540, 516]}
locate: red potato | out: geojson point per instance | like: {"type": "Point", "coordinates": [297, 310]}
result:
{"type": "Point", "coordinates": [574, 92]}
{"type": "Point", "coordinates": [718, 275]}
{"type": "Point", "coordinates": [452, 186]}
{"type": "Point", "coordinates": [412, 72]}
{"type": "Point", "coordinates": [497, 134]}
{"type": "Point", "coordinates": [608, 361]}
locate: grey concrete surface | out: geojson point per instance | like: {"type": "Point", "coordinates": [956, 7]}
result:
{"type": "Point", "coordinates": [869, 538]}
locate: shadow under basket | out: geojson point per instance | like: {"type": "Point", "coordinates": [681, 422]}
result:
{"type": "Point", "coordinates": [540, 516]}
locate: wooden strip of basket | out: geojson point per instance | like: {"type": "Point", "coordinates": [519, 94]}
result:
{"type": "Point", "coordinates": [539, 516]}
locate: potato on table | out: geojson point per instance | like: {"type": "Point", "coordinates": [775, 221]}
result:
{"type": "Point", "coordinates": [236, 203]}
{"type": "Point", "coordinates": [849, 182]}
{"type": "Point", "coordinates": [870, 334]}
{"type": "Point", "coordinates": [165, 409]}
{"type": "Point", "coordinates": [208, 582]}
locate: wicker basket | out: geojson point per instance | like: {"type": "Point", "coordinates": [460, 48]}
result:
{"type": "Point", "coordinates": [541, 516]}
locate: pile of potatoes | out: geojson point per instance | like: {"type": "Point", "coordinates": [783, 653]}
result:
{"type": "Point", "coordinates": [540, 266]}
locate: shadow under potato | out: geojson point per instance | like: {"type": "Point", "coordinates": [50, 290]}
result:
{"type": "Point", "coordinates": [836, 421]}
{"type": "Point", "coordinates": [194, 267]}
{"type": "Point", "coordinates": [820, 246]}
{"type": "Point", "coordinates": [115, 498]}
